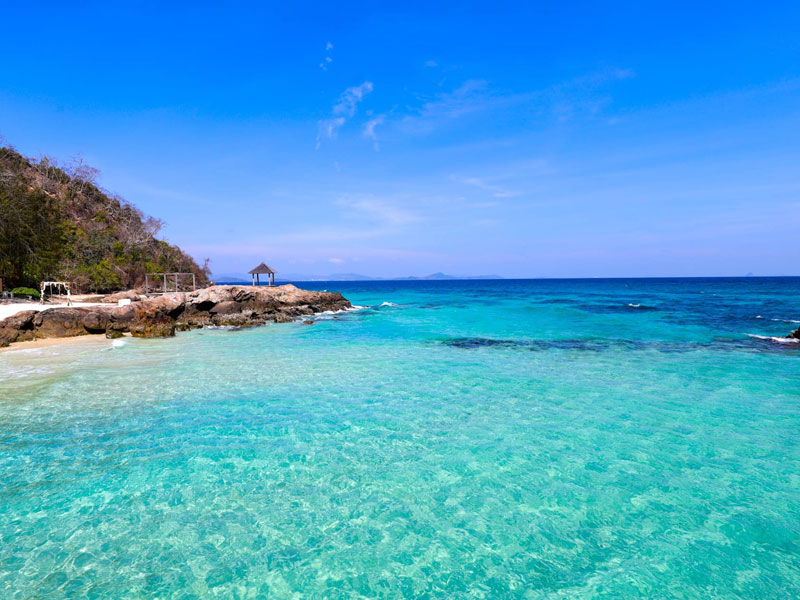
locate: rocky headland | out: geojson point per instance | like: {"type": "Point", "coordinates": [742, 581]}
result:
{"type": "Point", "coordinates": [162, 316]}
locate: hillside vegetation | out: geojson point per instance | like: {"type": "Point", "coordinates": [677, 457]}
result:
{"type": "Point", "coordinates": [56, 223]}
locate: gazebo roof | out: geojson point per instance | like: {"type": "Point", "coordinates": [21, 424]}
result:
{"type": "Point", "coordinates": [262, 269]}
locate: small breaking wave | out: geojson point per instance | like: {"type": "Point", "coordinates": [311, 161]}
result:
{"type": "Point", "coordinates": [773, 339]}
{"type": "Point", "coordinates": [641, 306]}
{"type": "Point", "coordinates": [26, 351]}
{"type": "Point", "coordinates": [776, 320]}
{"type": "Point", "coordinates": [330, 314]}
{"type": "Point", "coordinates": [24, 371]}
{"type": "Point", "coordinates": [622, 307]}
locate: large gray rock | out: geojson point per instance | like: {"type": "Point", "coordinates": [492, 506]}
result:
{"type": "Point", "coordinates": [131, 295]}
{"type": "Point", "coordinates": [17, 328]}
{"type": "Point", "coordinates": [156, 317]}
{"type": "Point", "coordinates": [21, 321]}
{"type": "Point", "coordinates": [226, 308]}
{"type": "Point", "coordinates": [96, 321]}
{"type": "Point", "coordinates": [60, 322]}
{"type": "Point", "coordinates": [241, 306]}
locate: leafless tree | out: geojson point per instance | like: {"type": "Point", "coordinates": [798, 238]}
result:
{"type": "Point", "coordinates": [81, 173]}
{"type": "Point", "coordinates": [44, 169]}
{"type": "Point", "coordinates": [206, 268]}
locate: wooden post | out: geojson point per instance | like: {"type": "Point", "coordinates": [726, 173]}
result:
{"type": "Point", "coordinates": [194, 282]}
{"type": "Point", "coordinates": [165, 283]}
{"type": "Point", "coordinates": [176, 282]}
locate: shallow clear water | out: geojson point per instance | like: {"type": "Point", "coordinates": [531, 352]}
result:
{"type": "Point", "coordinates": [509, 439]}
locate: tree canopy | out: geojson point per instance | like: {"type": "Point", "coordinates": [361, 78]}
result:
{"type": "Point", "coordinates": [56, 223]}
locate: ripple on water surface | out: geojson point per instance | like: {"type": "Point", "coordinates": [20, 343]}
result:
{"type": "Point", "coordinates": [410, 452]}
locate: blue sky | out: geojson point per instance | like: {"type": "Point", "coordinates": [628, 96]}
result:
{"type": "Point", "coordinates": [527, 140]}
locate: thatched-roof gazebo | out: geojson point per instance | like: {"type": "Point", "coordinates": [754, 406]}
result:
{"type": "Point", "coordinates": [263, 269]}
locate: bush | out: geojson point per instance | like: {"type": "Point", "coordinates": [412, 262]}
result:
{"type": "Point", "coordinates": [23, 291]}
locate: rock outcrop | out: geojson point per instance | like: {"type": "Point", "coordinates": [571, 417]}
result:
{"type": "Point", "coordinates": [795, 334]}
{"type": "Point", "coordinates": [132, 295]}
{"type": "Point", "coordinates": [162, 316]}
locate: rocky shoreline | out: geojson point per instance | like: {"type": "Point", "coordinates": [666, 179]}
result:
{"type": "Point", "coordinates": [162, 316]}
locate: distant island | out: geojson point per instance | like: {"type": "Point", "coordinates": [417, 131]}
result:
{"type": "Point", "coordinates": [355, 277]}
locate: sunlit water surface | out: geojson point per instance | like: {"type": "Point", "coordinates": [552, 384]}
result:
{"type": "Point", "coordinates": [508, 439]}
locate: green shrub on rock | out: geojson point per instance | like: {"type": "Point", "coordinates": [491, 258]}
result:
{"type": "Point", "coordinates": [25, 291]}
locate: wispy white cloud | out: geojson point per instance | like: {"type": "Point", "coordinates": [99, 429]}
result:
{"type": "Point", "coordinates": [355, 217]}
{"type": "Point", "coordinates": [562, 101]}
{"type": "Point", "coordinates": [328, 128]}
{"type": "Point", "coordinates": [380, 211]}
{"type": "Point", "coordinates": [327, 59]}
{"type": "Point", "coordinates": [469, 97]}
{"type": "Point", "coordinates": [431, 64]}
{"type": "Point", "coordinates": [349, 100]}
{"type": "Point", "coordinates": [344, 109]}
{"type": "Point", "coordinates": [495, 190]}
{"type": "Point", "coordinates": [336, 261]}
{"type": "Point", "coordinates": [369, 130]}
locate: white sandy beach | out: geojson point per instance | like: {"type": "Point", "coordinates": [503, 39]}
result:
{"type": "Point", "coordinates": [47, 342]}
{"type": "Point", "coordinates": [9, 310]}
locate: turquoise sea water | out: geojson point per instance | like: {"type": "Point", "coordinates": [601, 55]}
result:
{"type": "Point", "coordinates": [498, 439]}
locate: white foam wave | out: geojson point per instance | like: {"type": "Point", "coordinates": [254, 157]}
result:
{"type": "Point", "coordinates": [26, 351]}
{"type": "Point", "coordinates": [777, 340]}
{"type": "Point", "coordinates": [22, 371]}
{"type": "Point", "coordinates": [779, 320]}
{"type": "Point", "coordinates": [388, 304]}
{"type": "Point", "coordinates": [329, 314]}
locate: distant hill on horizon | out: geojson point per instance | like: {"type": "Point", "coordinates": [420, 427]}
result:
{"type": "Point", "coordinates": [353, 277]}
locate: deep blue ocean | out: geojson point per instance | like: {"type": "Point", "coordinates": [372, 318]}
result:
{"type": "Point", "coordinates": [531, 439]}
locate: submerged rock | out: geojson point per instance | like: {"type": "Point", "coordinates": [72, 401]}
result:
{"type": "Point", "coordinates": [795, 334]}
